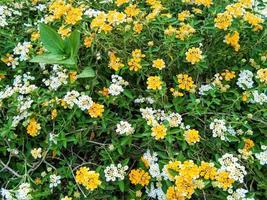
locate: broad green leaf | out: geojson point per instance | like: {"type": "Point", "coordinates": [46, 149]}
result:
{"type": "Point", "coordinates": [51, 39]}
{"type": "Point", "coordinates": [88, 72]}
{"type": "Point", "coordinates": [53, 59]}
{"type": "Point", "coordinates": [74, 40]}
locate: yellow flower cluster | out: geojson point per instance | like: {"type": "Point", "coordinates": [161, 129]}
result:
{"type": "Point", "coordinates": [135, 62]}
{"type": "Point", "coordinates": [64, 31]}
{"type": "Point", "coordinates": [232, 39]}
{"type": "Point", "coordinates": [121, 2]}
{"type": "Point", "coordinates": [60, 9]}
{"type": "Point", "coordinates": [138, 27]}
{"type": "Point", "coordinates": [253, 20]}
{"type": "Point", "coordinates": [194, 55]}
{"type": "Point", "coordinates": [184, 31]}
{"type": "Point", "coordinates": [262, 75]}
{"type": "Point", "coordinates": [159, 131]}
{"type": "Point", "coordinates": [189, 176]}
{"type": "Point", "coordinates": [96, 110]}
{"type": "Point", "coordinates": [154, 83]}
{"type": "Point", "coordinates": [114, 62]}
{"type": "Point", "coordinates": [139, 176]}
{"type": "Point", "coordinates": [191, 136]}
{"type": "Point", "coordinates": [159, 64]}
{"type": "Point", "coordinates": [185, 82]}
{"type": "Point", "coordinates": [182, 16]}
{"type": "Point", "coordinates": [223, 20]}
{"type": "Point", "coordinates": [132, 10]}
{"type": "Point", "coordinates": [107, 21]}
{"type": "Point", "coordinates": [228, 75]}
{"type": "Point", "coordinates": [156, 7]}
{"type": "Point", "coordinates": [33, 127]}
{"type": "Point", "coordinates": [89, 179]}
{"type": "Point", "coordinates": [88, 40]}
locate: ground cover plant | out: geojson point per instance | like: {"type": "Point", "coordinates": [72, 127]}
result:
{"type": "Point", "coordinates": [133, 99]}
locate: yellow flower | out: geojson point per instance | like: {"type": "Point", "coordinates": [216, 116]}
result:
{"type": "Point", "coordinates": [36, 153]}
{"type": "Point", "coordinates": [89, 179]}
{"type": "Point", "coordinates": [182, 16]}
{"type": "Point", "coordinates": [132, 10]}
{"type": "Point", "coordinates": [135, 62]}
{"type": "Point", "coordinates": [73, 15]}
{"type": "Point", "coordinates": [66, 198]}
{"type": "Point", "coordinates": [223, 20]}
{"type": "Point", "coordinates": [154, 83]}
{"type": "Point", "coordinates": [59, 9]}
{"type": "Point", "coordinates": [249, 144]}
{"type": "Point", "coordinates": [73, 76]}
{"type": "Point", "coordinates": [114, 62]}
{"type": "Point", "coordinates": [138, 27]}
{"type": "Point", "coordinates": [145, 161]}
{"type": "Point", "coordinates": [223, 180]}
{"type": "Point", "coordinates": [172, 166]}
{"type": "Point", "coordinates": [104, 92]}
{"type": "Point", "coordinates": [159, 64]}
{"type": "Point", "coordinates": [206, 3]}
{"type": "Point", "coordinates": [185, 185]}
{"type": "Point", "coordinates": [194, 55]}
{"type": "Point", "coordinates": [184, 31]}
{"type": "Point", "coordinates": [64, 32]}
{"type": "Point", "coordinates": [232, 39]}
{"type": "Point", "coordinates": [207, 170]}
{"type": "Point", "coordinates": [96, 110]}
{"type": "Point", "coordinates": [185, 82]}
{"type": "Point", "coordinates": [262, 75]}
{"type": "Point", "coordinates": [170, 30]}
{"type": "Point", "coordinates": [120, 2]}
{"type": "Point", "coordinates": [173, 194]}
{"type": "Point", "coordinates": [192, 136]}
{"type": "Point", "coordinates": [159, 131]}
{"type": "Point", "coordinates": [252, 19]}
{"type": "Point", "coordinates": [37, 181]}
{"type": "Point", "coordinates": [53, 114]}
{"type": "Point", "coordinates": [35, 36]}
{"type": "Point", "coordinates": [33, 127]}
{"type": "Point", "coordinates": [228, 75]}
{"type": "Point", "coordinates": [8, 59]}
{"type": "Point", "coordinates": [235, 9]}
{"type": "Point", "coordinates": [139, 176]}
{"type": "Point", "coordinates": [88, 40]}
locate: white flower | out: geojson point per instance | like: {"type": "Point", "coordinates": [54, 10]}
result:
{"type": "Point", "coordinates": [115, 89]}
{"type": "Point", "coordinates": [262, 157]}
{"type": "Point", "coordinates": [91, 12]}
{"type": "Point", "coordinates": [6, 194]}
{"type": "Point", "coordinates": [204, 89]}
{"type": "Point", "coordinates": [54, 181]}
{"type": "Point", "coordinates": [22, 50]}
{"type": "Point", "coordinates": [124, 128]}
{"type": "Point", "coordinates": [151, 158]}
{"type": "Point", "coordinates": [84, 102]}
{"type": "Point", "coordinates": [71, 98]}
{"type": "Point", "coordinates": [23, 192]}
{"type": "Point", "coordinates": [245, 79]}
{"type": "Point", "coordinates": [154, 170]}
{"type": "Point", "coordinates": [111, 173]}
{"type": "Point", "coordinates": [174, 119]}
{"type": "Point", "coordinates": [218, 128]}
{"type": "Point", "coordinates": [259, 98]}
{"type": "Point", "coordinates": [36, 153]}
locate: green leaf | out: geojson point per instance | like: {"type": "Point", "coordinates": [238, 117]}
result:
{"type": "Point", "coordinates": [51, 39]}
{"type": "Point", "coordinates": [74, 41]}
{"type": "Point", "coordinates": [49, 58]}
{"type": "Point", "coordinates": [121, 186]}
{"type": "Point", "coordinates": [88, 72]}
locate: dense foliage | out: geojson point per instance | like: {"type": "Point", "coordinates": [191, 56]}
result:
{"type": "Point", "coordinates": [133, 99]}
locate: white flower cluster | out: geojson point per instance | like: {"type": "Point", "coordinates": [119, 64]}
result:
{"type": "Point", "coordinates": [148, 100]}
{"type": "Point", "coordinates": [230, 164]}
{"type": "Point", "coordinates": [112, 172]}
{"type": "Point", "coordinates": [155, 193]}
{"type": "Point", "coordinates": [54, 181]}
{"type": "Point", "coordinates": [21, 85]}
{"type": "Point", "coordinates": [116, 87]}
{"type": "Point", "coordinates": [154, 117]}
{"type": "Point", "coordinates": [124, 128]}
{"type": "Point", "coordinates": [245, 79]}
{"type": "Point", "coordinates": [5, 14]}
{"type": "Point", "coordinates": [239, 194]}
{"type": "Point", "coordinates": [91, 12]}
{"type": "Point", "coordinates": [262, 156]}
{"type": "Point", "coordinates": [218, 128]}
{"type": "Point", "coordinates": [73, 97]}
{"type": "Point", "coordinates": [22, 50]}
{"type": "Point", "coordinates": [58, 77]}
{"type": "Point", "coordinates": [22, 193]}
{"type": "Point", "coordinates": [259, 98]}
{"type": "Point", "coordinates": [24, 103]}
{"type": "Point", "coordinates": [204, 89]}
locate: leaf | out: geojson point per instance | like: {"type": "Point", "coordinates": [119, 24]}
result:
{"type": "Point", "coordinates": [121, 186]}
{"type": "Point", "coordinates": [88, 72]}
{"type": "Point", "coordinates": [51, 39]}
{"type": "Point", "coordinates": [74, 40]}
{"type": "Point", "coordinates": [49, 58]}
